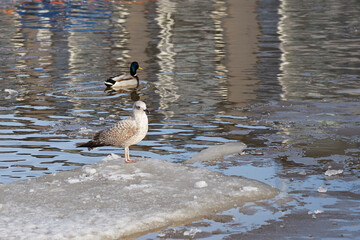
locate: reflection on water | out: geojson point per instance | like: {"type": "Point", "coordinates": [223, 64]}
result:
{"type": "Point", "coordinates": [60, 52]}
{"type": "Point", "coordinates": [319, 53]}
{"type": "Point", "coordinates": [281, 77]}
{"type": "Point", "coordinates": [319, 45]}
{"type": "Point", "coordinates": [165, 87]}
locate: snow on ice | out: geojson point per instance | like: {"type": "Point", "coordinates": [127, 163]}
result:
{"type": "Point", "coordinates": [200, 184]}
{"type": "Point", "coordinates": [112, 200]}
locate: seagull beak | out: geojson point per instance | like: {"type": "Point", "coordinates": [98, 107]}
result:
{"type": "Point", "coordinates": [140, 68]}
{"type": "Point", "coordinates": [147, 111]}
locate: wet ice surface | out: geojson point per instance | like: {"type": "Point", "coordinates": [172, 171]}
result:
{"type": "Point", "coordinates": [111, 199]}
{"type": "Point", "coordinates": [217, 152]}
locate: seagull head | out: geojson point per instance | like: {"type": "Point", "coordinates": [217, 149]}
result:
{"type": "Point", "coordinates": [140, 106]}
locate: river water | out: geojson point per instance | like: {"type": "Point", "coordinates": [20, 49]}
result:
{"type": "Point", "coordinates": [280, 76]}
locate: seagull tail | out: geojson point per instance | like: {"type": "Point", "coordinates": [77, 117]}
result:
{"type": "Point", "coordinates": [90, 145]}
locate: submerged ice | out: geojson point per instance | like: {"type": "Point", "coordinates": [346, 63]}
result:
{"type": "Point", "coordinates": [217, 152]}
{"type": "Point", "coordinates": [111, 199]}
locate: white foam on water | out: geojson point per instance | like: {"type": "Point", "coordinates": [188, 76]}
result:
{"type": "Point", "coordinates": [112, 200]}
{"type": "Point", "coordinates": [217, 152]}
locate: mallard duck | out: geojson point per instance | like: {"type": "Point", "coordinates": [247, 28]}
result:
{"type": "Point", "coordinates": [125, 133]}
{"type": "Point", "coordinates": [125, 80]}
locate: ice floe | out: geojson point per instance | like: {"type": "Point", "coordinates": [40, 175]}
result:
{"type": "Point", "coordinates": [217, 152]}
{"type": "Point", "coordinates": [316, 212]}
{"type": "Point", "coordinates": [192, 232]}
{"type": "Point", "coordinates": [85, 131]}
{"type": "Point", "coordinates": [333, 172]}
{"type": "Point", "coordinates": [11, 91]}
{"type": "Point", "coordinates": [322, 189]}
{"type": "Point", "coordinates": [112, 200]}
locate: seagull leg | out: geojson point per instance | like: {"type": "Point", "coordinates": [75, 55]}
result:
{"type": "Point", "coordinates": [127, 156]}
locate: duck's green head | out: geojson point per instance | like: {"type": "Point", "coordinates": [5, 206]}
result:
{"type": "Point", "coordinates": [133, 67]}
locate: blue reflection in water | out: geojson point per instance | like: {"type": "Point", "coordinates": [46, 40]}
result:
{"type": "Point", "coordinates": [63, 52]}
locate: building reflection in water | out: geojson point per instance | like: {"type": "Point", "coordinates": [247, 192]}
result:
{"type": "Point", "coordinates": [165, 85]}
{"type": "Point", "coordinates": [39, 65]}
{"type": "Point", "coordinates": [241, 51]}
{"type": "Point", "coordinates": [318, 42]}
{"type": "Point", "coordinates": [63, 40]}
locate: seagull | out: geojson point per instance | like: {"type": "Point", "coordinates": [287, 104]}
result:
{"type": "Point", "coordinates": [124, 133]}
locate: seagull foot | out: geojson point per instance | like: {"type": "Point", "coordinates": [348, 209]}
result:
{"type": "Point", "coordinates": [130, 161]}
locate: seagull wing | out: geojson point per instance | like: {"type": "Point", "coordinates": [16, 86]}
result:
{"type": "Point", "coordinates": [119, 134]}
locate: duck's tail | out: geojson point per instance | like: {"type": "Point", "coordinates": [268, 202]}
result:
{"type": "Point", "coordinates": [110, 82]}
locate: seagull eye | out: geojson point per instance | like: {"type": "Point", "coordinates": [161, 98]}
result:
{"type": "Point", "coordinates": [137, 107]}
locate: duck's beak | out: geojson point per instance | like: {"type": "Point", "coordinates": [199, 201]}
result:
{"type": "Point", "coordinates": [140, 68]}
{"type": "Point", "coordinates": [147, 111]}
